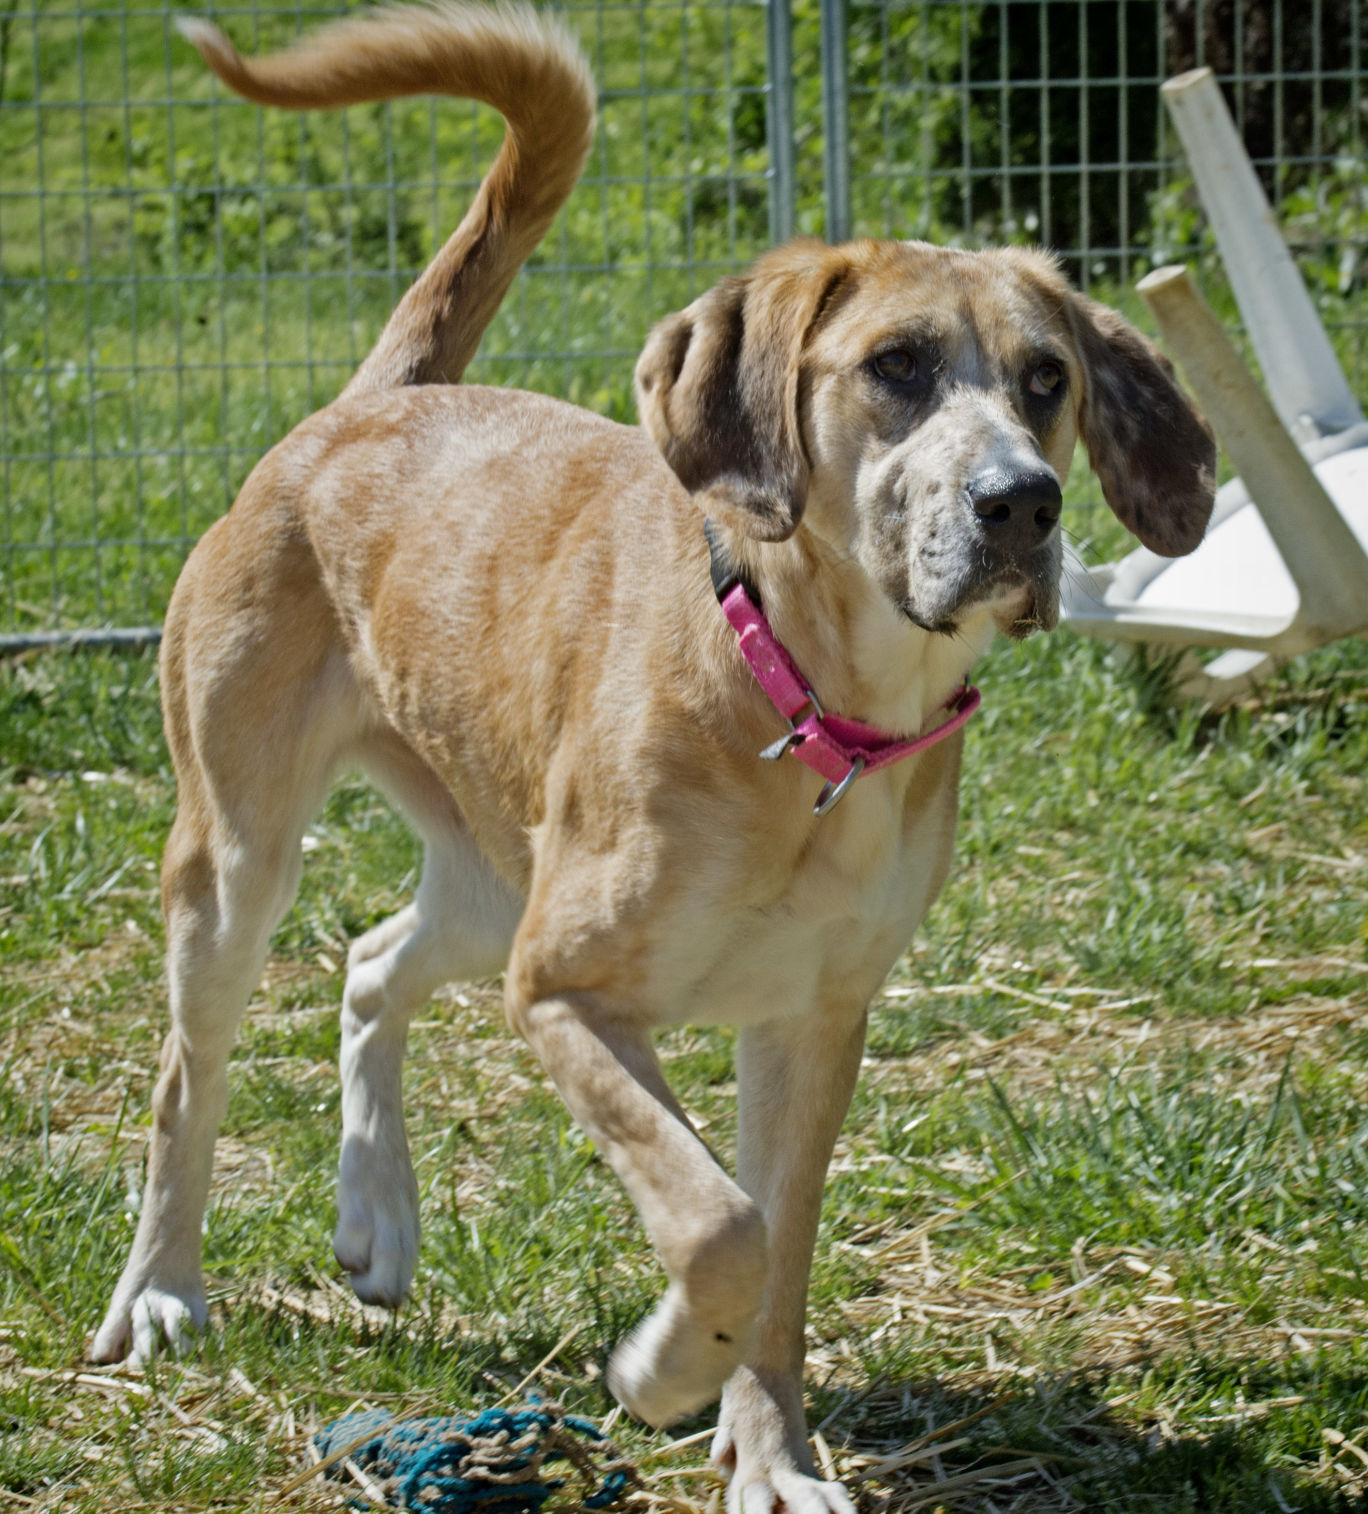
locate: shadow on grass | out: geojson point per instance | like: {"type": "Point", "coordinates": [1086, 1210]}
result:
{"type": "Point", "coordinates": [1222, 1435]}
{"type": "Point", "coordinates": [1319, 698]}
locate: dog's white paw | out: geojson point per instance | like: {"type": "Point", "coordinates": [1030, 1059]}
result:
{"type": "Point", "coordinates": [151, 1321]}
{"type": "Point", "coordinates": [787, 1492]}
{"type": "Point", "coordinates": [672, 1363]}
{"type": "Point", "coordinates": [376, 1239]}
{"type": "Point", "coordinates": [774, 1484]}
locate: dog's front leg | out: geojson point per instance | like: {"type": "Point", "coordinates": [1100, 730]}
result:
{"type": "Point", "coordinates": [709, 1234]}
{"type": "Point", "coordinates": [794, 1079]}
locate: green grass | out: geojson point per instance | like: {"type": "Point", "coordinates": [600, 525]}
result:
{"type": "Point", "coordinates": [1103, 1186]}
{"type": "Point", "coordinates": [185, 278]}
{"type": "Point", "coordinates": [1106, 1175]}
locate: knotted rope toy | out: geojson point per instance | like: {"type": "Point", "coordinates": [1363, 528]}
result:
{"type": "Point", "coordinates": [490, 1464]}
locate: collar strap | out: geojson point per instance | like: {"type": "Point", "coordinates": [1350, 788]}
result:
{"type": "Point", "coordinates": [838, 748]}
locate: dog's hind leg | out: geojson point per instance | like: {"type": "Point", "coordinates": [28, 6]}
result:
{"type": "Point", "coordinates": [223, 894]}
{"type": "Point", "coordinates": [458, 927]}
{"type": "Point", "coordinates": [255, 736]}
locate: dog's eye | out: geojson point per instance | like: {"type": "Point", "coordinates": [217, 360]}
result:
{"type": "Point", "coordinates": [895, 366]}
{"type": "Point", "coordinates": [1046, 379]}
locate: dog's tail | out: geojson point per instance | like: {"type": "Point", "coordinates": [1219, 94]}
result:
{"type": "Point", "coordinates": [527, 66]}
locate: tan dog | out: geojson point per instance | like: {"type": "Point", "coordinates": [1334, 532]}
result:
{"type": "Point", "coordinates": [500, 607]}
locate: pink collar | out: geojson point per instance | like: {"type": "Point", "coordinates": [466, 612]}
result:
{"type": "Point", "coordinates": [838, 748]}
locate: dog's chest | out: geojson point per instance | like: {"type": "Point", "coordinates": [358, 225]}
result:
{"type": "Point", "coordinates": [825, 932]}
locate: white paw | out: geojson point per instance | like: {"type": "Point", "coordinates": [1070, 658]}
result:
{"type": "Point", "coordinates": [787, 1492]}
{"type": "Point", "coordinates": [775, 1483]}
{"type": "Point", "coordinates": [153, 1320]}
{"type": "Point", "coordinates": [672, 1363]}
{"type": "Point", "coordinates": [376, 1239]}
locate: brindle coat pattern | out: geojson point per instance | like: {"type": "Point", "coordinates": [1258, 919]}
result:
{"type": "Point", "coordinates": [499, 606]}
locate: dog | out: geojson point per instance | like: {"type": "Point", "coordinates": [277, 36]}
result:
{"type": "Point", "coordinates": [564, 647]}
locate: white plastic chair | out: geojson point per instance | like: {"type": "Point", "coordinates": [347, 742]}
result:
{"type": "Point", "coordinates": [1283, 566]}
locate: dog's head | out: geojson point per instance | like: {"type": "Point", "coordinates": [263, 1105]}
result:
{"type": "Point", "coordinates": [917, 407]}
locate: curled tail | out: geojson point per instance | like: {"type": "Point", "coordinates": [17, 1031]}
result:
{"type": "Point", "coordinates": [527, 66]}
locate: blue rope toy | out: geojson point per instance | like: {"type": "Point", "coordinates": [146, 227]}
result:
{"type": "Point", "coordinates": [487, 1465]}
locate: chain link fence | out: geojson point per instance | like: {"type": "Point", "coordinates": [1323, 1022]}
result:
{"type": "Point", "coordinates": [184, 277]}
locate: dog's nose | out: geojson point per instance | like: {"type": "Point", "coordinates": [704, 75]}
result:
{"type": "Point", "coordinates": [1019, 507]}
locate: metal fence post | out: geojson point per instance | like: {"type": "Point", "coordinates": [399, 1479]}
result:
{"type": "Point", "coordinates": [836, 120]}
{"type": "Point", "coordinates": [779, 119]}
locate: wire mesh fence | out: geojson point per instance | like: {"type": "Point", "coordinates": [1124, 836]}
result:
{"type": "Point", "coordinates": [184, 277]}
{"type": "Point", "coordinates": [1022, 119]}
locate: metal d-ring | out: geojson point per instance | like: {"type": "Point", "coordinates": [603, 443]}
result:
{"type": "Point", "coordinates": [832, 794]}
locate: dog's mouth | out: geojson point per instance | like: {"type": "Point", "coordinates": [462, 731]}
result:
{"type": "Point", "coordinates": [1019, 606]}
{"type": "Point", "coordinates": [1027, 615]}
{"type": "Point", "coordinates": [947, 627]}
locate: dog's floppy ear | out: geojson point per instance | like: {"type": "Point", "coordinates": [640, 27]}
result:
{"type": "Point", "coordinates": [1152, 451]}
{"type": "Point", "coordinates": [717, 388]}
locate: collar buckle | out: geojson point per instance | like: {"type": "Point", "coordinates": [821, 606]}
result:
{"type": "Point", "coordinates": [812, 710]}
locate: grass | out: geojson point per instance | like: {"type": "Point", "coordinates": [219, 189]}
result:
{"type": "Point", "coordinates": [1093, 1233]}
{"type": "Point", "coordinates": [185, 278]}
{"type": "Point", "coordinates": [1103, 1192]}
